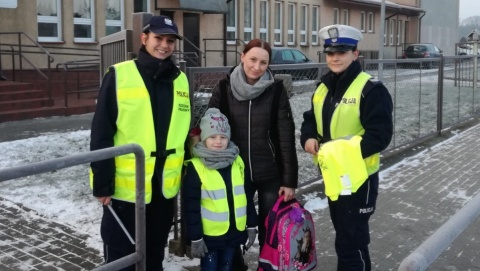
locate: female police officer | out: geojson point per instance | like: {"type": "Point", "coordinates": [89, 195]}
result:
{"type": "Point", "coordinates": [348, 125]}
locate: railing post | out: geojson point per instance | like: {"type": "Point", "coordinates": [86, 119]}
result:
{"type": "Point", "coordinates": [441, 66]}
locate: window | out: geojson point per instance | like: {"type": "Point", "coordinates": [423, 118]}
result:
{"type": "Point", "coordinates": [248, 23]}
{"type": "Point", "coordinates": [363, 21]}
{"type": "Point", "coordinates": [141, 6]}
{"type": "Point", "coordinates": [264, 20]}
{"type": "Point", "coordinates": [278, 23]}
{"type": "Point", "coordinates": [232, 22]}
{"type": "Point", "coordinates": [83, 22]}
{"type": "Point", "coordinates": [392, 32]}
{"type": "Point", "coordinates": [336, 16]}
{"type": "Point", "coordinates": [346, 17]}
{"type": "Point", "coordinates": [385, 31]}
{"type": "Point", "coordinates": [303, 25]}
{"type": "Point", "coordinates": [371, 22]}
{"type": "Point", "coordinates": [399, 32]}
{"type": "Point", "coordinates": [8, 4]}
{"type": "Point", "coordinates": [114, 16]}
{"type": "Point", "coordinates": [291, 24]}
{"type": "Point", "coordinates": [315, 24]}
{"type": "Point", "coordinates": [49, 20]}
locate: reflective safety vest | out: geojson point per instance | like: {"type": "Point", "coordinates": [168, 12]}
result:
{"type": "Point", "coordinates": [346, 121]}
{"type": "Point", "coordinates": [135, 125]}
{"type": "Point", "coordinates": [214, 202]}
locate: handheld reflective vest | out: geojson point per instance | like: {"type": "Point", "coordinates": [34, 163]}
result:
{"type": "Point", "coordinates": [135, 125]}
{"type": "Point", "coordinates": [346, 122]}
{"type": "Point", "coordinates": [214, 202]}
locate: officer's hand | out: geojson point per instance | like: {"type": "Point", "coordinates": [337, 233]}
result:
{"type": "Point", "coordinates": [252, 234]}
{"type": "Point", "coordinates": [105, 200]}
{"type": "Point", "coordinates": [199, 249]}
{"type": "Point", "coordinates": [311, 146]}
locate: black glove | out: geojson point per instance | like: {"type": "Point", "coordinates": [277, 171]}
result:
{"type": "Point", "coordinates": [252, 234]}
{"type": "Point", "coordinates": [199, 249]}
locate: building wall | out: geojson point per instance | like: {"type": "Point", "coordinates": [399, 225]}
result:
{"type": "Point", "coordinates": [440, 24]}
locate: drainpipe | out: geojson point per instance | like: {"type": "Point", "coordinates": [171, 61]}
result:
{"type": "Point", "coordinates": [420, 26]}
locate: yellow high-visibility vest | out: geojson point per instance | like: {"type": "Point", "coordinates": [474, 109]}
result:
{"type": "Point", "coordinates": [214, 202]}
{"type": "Point", "coordinates": [346, 123]}
{"type": "Point", "coordinates": [135, 125]}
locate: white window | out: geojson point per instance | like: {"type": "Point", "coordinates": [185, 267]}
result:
{"type": "Point", "coordinates": [303, 24]}
{"type": "Point", "coordinates": [248, 23]}
{"type": "Point", "coordinates": [114, 16]}
{"type": "Point", "coordinates": [232, 22]}
{"type": "Point", "coordinates": [83, 21]}
{"type": "Point", "coordinates": [141, 6]}
{"type": "Point", "coordinates": [291, 24]}
{"type": "Point", "coordinates": [336, 15]}
{"type": "Point", "coordinates": [385, 31]}
{"type": "Point", "coordinates": [8, 3]}
{"type": "Point", "coordinates": [49, 18]}
{"type": "Point", "coordinates": [371, 22]}
{"type": "Point", "coordinates": [399, 32]}
{"type": "Point", "coordinates": [363, 21]}
{"type": "Point", "coordinates": [315, 24]}
{"type": "Point", "coordinates": [346, 17]}
{"type": "Point", "coordinates": [392, 32]}
{"type": "Point", "coordinates": [264, 20]}
{"type": "Point", "coordinates": [278, 23]}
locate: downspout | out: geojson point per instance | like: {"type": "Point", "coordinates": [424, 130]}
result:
{"type": "Point", "coordinates": [420, 26]}
{"type": "Point", "coordinates": [225, 36]}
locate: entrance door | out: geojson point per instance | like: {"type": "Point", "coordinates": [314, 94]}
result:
{"type": "Point", "coordinates": [191, 43]}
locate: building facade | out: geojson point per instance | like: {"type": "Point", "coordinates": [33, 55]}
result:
{"type": "Point", "coordinates": [214, 30]}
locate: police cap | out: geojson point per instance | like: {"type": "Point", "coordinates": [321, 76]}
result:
{"type": "Point", "coordinates": [338, 38]}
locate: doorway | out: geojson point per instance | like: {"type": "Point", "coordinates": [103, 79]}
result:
{"type": "Point", "coordinates": [191, 42]}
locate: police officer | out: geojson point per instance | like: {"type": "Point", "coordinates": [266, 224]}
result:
{"type": "Point", "coordinates": [143, 101]}
{"type": "Point", "coordinates": [348, 125]}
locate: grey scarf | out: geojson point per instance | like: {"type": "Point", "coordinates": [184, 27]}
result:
{"type": "Point", "coordinates": [243, 91]}
{"type": "Point", "coordinates": [216, 159]}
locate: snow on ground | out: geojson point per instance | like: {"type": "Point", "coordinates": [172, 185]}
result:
{"type": "Point", "coordinates": [64, 195]}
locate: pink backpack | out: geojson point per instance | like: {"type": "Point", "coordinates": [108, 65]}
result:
{"type": "Point", "coordinates": [290, 238]}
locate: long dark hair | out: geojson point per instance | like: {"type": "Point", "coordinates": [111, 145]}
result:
{"type": "Point", "coordinates": [261, 44]}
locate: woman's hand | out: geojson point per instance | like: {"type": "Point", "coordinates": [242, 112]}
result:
{"type": "Point", "coordinates": [289, 193]}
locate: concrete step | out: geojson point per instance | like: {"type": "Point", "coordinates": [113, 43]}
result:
{"type": "Point", "coordinates": [25, 104]}
{"type": "Point", "coordinates": [21, 95]}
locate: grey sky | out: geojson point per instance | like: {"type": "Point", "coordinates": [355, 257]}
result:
{"type": "Point", "coordinates": [469, 8]}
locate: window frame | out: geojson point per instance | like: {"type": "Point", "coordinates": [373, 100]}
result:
{"type": "Point", "coordinates": [263, 31]}
{"type": "Point", "coordinates": [292, 23]}
{"type": "Point", "coordinates": [249, 29]}
{"type": "Point", "coordinates": [304, 24]}
{"type": "Point", "coordinates": [363, 21]}
{"type": "Point", "coordinates": [346, 17]}
{"type": "Point", "coordinates": [336, 16]}
{"type": "Point", "coordinates": [371, 22]}
{"type": "Point", "coordinates": [399, 32]}
{"type": "Point", "coordinates": [51, 20]}
{"type": "Point", "coordinates": [120, 23]}
{"type": "Point", "coordinates": [278, 36]}
{"type": "Point", "coordinates": [230, 28]}
{"type": "Point", "coordinates": [385, 33]}
{"type": "Point", "coordinates": [315, 24]}
{"type": "Point", "coordinates": [88, 22]}
{"type": "Point", "coordinates": [392, 32]}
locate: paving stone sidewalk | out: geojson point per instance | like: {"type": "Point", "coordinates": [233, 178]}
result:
{"type": "Point", "coordinates": [419, 192]}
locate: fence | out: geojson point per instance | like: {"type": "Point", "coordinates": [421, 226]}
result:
{"type": "Point", "coordinates": [137, 258]}
{"type": "Point", "coordinates": [428, 95]}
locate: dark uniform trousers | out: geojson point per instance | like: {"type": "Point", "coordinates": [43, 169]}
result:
{"type": "Point", "coordinates": [350, 215]}
{"type": "Point", "coordinates": [159, 220]}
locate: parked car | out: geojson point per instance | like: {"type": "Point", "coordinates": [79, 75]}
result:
{"type": "Point", "coordinates": [285, 55]}
{"type": "Point", "coordinates": [422, 50]}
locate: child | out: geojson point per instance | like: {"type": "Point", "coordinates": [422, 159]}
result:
{"type": "Point", "coordinates": [217, 215]}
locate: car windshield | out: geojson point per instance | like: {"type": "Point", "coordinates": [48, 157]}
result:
{"type": "Point", "coordinates": [416, 48]}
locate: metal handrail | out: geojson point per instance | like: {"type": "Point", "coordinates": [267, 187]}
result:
{"type": "Point", "coordinates": [138, 257]}
{"type": "Point", "coordinates": [238, 42]}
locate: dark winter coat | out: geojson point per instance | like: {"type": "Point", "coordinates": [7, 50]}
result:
{"type": "Point", "coordinates": [375, 111]}
{"type": "Point", "coordinates": [193, 219]}
{"type": "Point", "coordinates": [263, 131]}
{"type": "Point", "coordinates": [158, 76]}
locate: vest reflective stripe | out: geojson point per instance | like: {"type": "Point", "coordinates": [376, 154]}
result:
{"type": "Point", "coordinates": [214, 202]}
{"type": "Point", "coordinates": [135, 125]}
{"type": "Point", "coordinates": [346, 117]}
